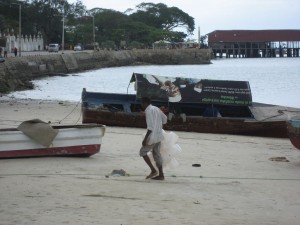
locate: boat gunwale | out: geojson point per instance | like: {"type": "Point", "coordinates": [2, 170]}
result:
{"type": "Point", "coordinates": [80, 126]}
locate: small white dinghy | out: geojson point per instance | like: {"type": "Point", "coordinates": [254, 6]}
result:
{"type": "Point", "coordinates": [36, 138]}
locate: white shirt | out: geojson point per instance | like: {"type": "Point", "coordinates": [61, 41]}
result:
{"type": "Point", "coordinates": [155, 118]}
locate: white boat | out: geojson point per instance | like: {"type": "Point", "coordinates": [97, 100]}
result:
{"type": "Point", "coordinates": [70, 140]}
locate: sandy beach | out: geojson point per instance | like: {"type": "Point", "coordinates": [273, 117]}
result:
{"type": "Point", "coordinates": [237, 182]}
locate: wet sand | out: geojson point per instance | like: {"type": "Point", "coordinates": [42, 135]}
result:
{"type": "Point", "coordinates": [236, 183]}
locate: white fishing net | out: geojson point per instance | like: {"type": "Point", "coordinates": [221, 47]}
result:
{"type": "Point", "coordinates": [169, 149]}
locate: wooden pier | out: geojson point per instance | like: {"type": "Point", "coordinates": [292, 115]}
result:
{"type": "Point", "coordinates": [255, 43]}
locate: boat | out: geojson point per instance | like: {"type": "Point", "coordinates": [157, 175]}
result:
{"type": "Point", "coordinates": [35, 138]}
{"type": "Point", "coordinates": [205, 106]}
{"type": "Point", "coordinates": [293, 127]}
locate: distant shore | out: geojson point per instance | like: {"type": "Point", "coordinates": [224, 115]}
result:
{"type": "Point", "coordinates": [17, 72]}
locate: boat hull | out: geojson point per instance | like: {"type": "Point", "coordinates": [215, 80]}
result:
{"type": "Point", "coordinates": [84, 150]}
{"type": "Point", "coordinates": [81, 140]}
{"type": "Point", "coordinates": [236, 126]}
{"type": "Point", "coordinates": [125, 110]}
{"type": "Point", "coordinates": [293, 127]}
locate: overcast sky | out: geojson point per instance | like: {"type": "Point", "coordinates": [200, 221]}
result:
{"type": "Point", "coordinates": [213, 15]}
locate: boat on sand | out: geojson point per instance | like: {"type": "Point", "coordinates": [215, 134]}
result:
{"type": "Point", "coordinates": [205, 106]}
{"type": "Point", "coordinates": [293, 127]}
{"type": "Point", "coordinates": [35, 138]}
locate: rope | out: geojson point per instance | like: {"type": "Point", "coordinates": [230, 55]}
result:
{"type": "Point", "coordinates": [285, 110]}
{"type": "Point", "coordinates": [280, 114]}
{"type": "Point", "coordinates": [71, 113]}
{"type": "Point", "coordinates": [80, 114]}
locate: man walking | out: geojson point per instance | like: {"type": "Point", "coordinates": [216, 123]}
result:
{"type": "Point", "coordinates": [155, 119]}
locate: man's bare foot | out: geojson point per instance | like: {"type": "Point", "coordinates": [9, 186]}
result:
{"type": "Point", "coordinates": [152, 174]}
{"type": "Point", "coordinates": [158, 178]}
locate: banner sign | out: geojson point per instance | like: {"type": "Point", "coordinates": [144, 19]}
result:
{"type": "Point", "coordinates": [189, 90]}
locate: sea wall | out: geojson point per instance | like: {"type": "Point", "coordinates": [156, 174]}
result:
{"type": "Point", "coordinates": [16, 73]}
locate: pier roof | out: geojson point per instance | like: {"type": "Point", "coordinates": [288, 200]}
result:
{"type": "Point", "coordinates": [253, 35]}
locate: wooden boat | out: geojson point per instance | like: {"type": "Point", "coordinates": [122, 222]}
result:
{"type": "Point", "coordinates": [293, 127]}
{"type": "Point", "coordinates": [70, 140]}
{"type": "Point", "coordinates": [223, 107]}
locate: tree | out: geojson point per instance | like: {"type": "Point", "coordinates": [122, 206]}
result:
{"type": "Point", "coordinates": [110, 25]}
{"type": "Point", "coordinates": [2, 23]}
{"type": "Point", "coordinates": [151, 22]}
{"type": "Point", "coordinates": [154, 22]}
{"type": "Point", "coordinates": [45, 16]}
{"type": "Point", "coordinates": [137, 31]}
{"type": "Point", "coordinates": [109, 44]}
{"type": "Point", "coordinates": [161, 16]}
{"type": "Point", "coordinates": [203, 41]}
{"type": "Point", "coordinates": [135, 44]}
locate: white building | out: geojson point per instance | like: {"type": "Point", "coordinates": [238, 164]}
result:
{"type": "Point", "coordinates": [26, 44]}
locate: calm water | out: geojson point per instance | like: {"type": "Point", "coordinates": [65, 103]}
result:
{"type": "Point", "coordinates": [273, 81]}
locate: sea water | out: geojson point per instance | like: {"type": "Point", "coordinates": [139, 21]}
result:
{"type": "Point", "coordinates": [272, 80]}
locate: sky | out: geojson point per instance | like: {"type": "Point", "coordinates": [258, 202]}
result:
{"type": "Point", "coordinates": [213, 15]}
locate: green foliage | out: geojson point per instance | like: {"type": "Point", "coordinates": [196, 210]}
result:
{"type": "Point", "coordinates": [203, 41]}
{"type": "Point", "coordinates": [2, 23]}
{"type": "Point", "coordinates": [151, 22]}
{"type": "Point", "coordinates": [161, 16]}
{"type": "Point", "coordinates": [135, 44]}
{"type": "Point", "coordinates": [108, 44]}
{"type": "Point", "coordinates": [2, 41]}
{"type": "Point", "coordinates": [110, 25]}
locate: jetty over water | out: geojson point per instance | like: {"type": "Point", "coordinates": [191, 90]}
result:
{"type": "Point", "coordinates": [255, 43]}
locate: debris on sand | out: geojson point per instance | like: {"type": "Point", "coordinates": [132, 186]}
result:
{"type": "Point", "coordinates": [117, 173]}
{"type": "Point", "coordinates": [279, 159]}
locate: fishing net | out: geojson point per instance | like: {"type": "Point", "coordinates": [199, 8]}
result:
{"type": "Point", "coordinates": [169, 150]}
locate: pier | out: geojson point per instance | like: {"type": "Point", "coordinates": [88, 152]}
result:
{"type": "Point", "coordinates": [254, 43]}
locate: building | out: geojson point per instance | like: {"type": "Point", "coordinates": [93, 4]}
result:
{"type": "Point", "coordinates": [163, 44]}
{"type": "Point", "coordinates": [25, 43]}
{"type": "Point", "coordinates": [255, 43]}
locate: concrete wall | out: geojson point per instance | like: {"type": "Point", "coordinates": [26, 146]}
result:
{"type": "Point", "coordinates": [17, 72]}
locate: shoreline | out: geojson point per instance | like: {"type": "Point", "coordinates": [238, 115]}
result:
{"type": "Point", "coordinates": [237, 182]}
{"type": "Point", "coordinates": [17, 73]}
